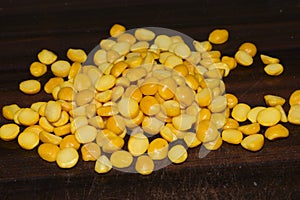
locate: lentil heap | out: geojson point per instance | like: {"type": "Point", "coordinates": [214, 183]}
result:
{"type": "Point", "coordinates": [143, 100]}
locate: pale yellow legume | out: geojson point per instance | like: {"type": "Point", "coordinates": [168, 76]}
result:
{"type": "Point", "coordinates": [35, 129]}
{"type": "Point", "coordinates": [121, 48]}
{"type": "Point", "coordinates": [249, 129]}
{"type": "Point", "coordinates": [103, 165]}
{"type": "Point", "coordinates": [47, 137]}
{"type": "Point", "coordinates": [294, 114]}
{"type": "Point", "coordinates": [53, 111]}
{"type": "Point", "coordinates": [144, 34]}
{"type": "Point", "coordinates": [183, 122]}
{"type": "Point", "coordinates": [274, 69]}
{"type": "Point", "coordinates": [64, 118]}
{"type": "Point", "coordinates": [214, 145]}
{"type": "Point", "coordinates": [61, 68]}
{"type": "Point", "coordinates": [206, 131]}
{"type": "Point", "coordinates": [116, 124]}
{"type": "Point", "coordinates": [62, 130]}
{"type": "Point", "coordinates": [204, 97]}
{"type": "Point", "coordinates": [268, 116]}
{"type": "Point", "coordinates": [268, 59]}
{"type": "Point", "coordinates": [144, 165]}
{"type": "Point", "coordinates": [202, 46]}
{"type": "Point", "coordinates": [232, 100]}
{"type": "Point", "coordinates": [76, 55]}
{"type": "Point", "coordinates": [9, 131]}
{"type": "Point", "coordinates": [45, 124]}
{"type": "Point", "coordinates": [121, 159]}
{"type": "Point", "coordinates": [82, 82]}
{"type": "Point", "coordinates": [240, 112]}
{"type": "Point", "coordinates": [126, 37]}
{"type": "Point", "coordinates": [138, 144]}
{"type": "Point", "coordinates": [136, 73]}
{"type": "Point", "coordinates": [163, 42]}
{"type": "Point", "coordinates": [218, 36]}
{"type": "Point", "coordinates": [37, 69]}
{"type": "Point", "coordinates": [231, 124]}
{"type": "Point", "coordinates": [185, 96]}
{"type": "Point", "coordinates": [282, 112]}
{"type": "Point", "coordinates": [48, 152]}
{"type": "Point", "coordinates": [243, 58]}
{"type": "Point", "coordinates": [182, 50]}
{"type": "Point", "coordinates": [47, 57]}
{"type": "Point", "coordinates": [28, 117]}
{"type": "Point", "coordinates": [69, 141]}
{"type": "Point", "coordinates": [116, 30]}
{"type": "Point", "coordinates": [218, 104]}
{"type": "Point", "coordinates": [30, 86]}
{"type": "Point", "coordinates": [90, 151]}
{"type": "Point", "coordinates": [9, 111]}
{"type": "Point", "coordinates": [191, 140]}
{"type": "Point", "coordinates": [177, 154]}
{"type": "Point", "coordinates": [152, 125]}
{"type": "Point", "coordinates": [86, 134]}
{"type": "Point", "coordinates": [52, 83]}
{"type": "Point", "coordinates": [84, 97]}
{"type": "Point", "coordinates": [252, 114]}
{"type": "Point", "coordinates": [105, 82]}
{"type": "Point", "coordinates": [294, 98]}
{"type": "Point", "coordinates": [249, 47]}
{"type": "Point", "coordinates": [158, 149]}
{"type": "Point", "coordinates": [67, 157]}
{"type": "Point", "coordinates": [273, 100]}
{"type": "Point", "coordinates": [28, 140]}
{"type": "Point", "coordinates": [128, 107]}
{"type": "Point", "coordinates": [232, 136]}
{"type": "Point", "coordinates": [253, 142]}
{"type": "Point", "coordinates": [230, 61]}
{"type": "Point", "coordinates": [276, 131]}
{"type": "Point", "coordinates": [36, 105]}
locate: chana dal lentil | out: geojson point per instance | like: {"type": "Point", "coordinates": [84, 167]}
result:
{"type": "Point", "coordinates": [141, 85]}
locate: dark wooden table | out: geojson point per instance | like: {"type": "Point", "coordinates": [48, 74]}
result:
{"type": "Point", "coordinates": [231, 172]}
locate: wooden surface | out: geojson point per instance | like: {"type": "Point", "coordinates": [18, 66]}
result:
{"type": "Point", "coordinates": [228, 173]}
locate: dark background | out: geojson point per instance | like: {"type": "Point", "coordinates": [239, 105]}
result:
{"type": "Point", "coordinates": [231, 172]}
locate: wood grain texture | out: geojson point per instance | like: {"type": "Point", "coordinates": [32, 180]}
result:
{"type": "Point", "coordinates": [228, 173]}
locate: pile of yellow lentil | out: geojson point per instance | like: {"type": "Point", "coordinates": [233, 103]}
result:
{"type": "Point", "coordinates": [146, 99]}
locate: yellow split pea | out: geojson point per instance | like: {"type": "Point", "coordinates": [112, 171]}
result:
{"type": "Point", "coordinates": [30, 86]}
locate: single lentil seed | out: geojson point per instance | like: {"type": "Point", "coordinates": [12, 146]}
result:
{"type": "Point", "coordinates": [30, 86]}
{"type": "Point", "coordinates": [121, 159]}
{"type": "Point", "coordinates": [276, 131]}
{"type": "Point", "coordinates": [268, 116]}
{"type": "Point", "coordinates": [103, 165]}
{"type": "Point", "coordinates": [48, 151]}
{"type": "Point", "coordinates": [67, 157]}
{"type": "Point", "coordinates": [28, 140]}
{"type": "Point", "coordinates": [144, 165]}
{"type": "Point", "coordinates": [240, 112]}
{"type": "Point", "coordinates": [249, 47]}
{"type": "Point", "coordinates": [232, 136]}
{"type": "Point", "coordinates": [243, 58]}
{"type": "Point", "coordinates": [253, 142]}
{"type": "Point", "coordinates": [294, 114]}
{"type": "Point", "coordinates": [294, 98]}
{"type": "Point", "coordinates": [9, 131]}
{"type": "Point", "coordinates": [37, 69]}
{"type": "Point", "coordinates": [274, 69]}
{"type": "Point", "coordinates": [218, 36]}
{"type": "Point", "coordinates": [47, 57]}
{"type": "Point", "coordinates": [177, 154]}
